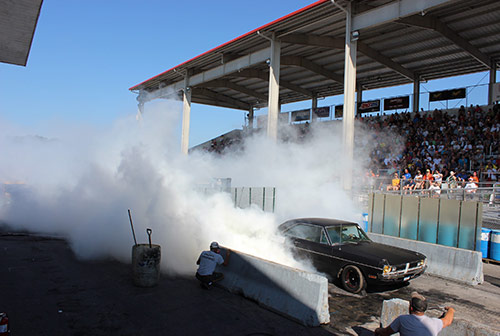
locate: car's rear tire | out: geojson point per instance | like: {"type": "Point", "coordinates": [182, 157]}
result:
{"type": "Point", "coordinates": [352, 279]}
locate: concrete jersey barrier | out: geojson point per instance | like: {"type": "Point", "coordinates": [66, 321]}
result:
{"type": "Point", "coordinates": [448, 262]}
{"type": "Point", "coordinates": [299, 295]}
{"type": "Point", "coordinates": [395, 307]}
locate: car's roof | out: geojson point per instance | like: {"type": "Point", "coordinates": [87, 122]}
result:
{"type": "Point", "coordinates": [315, 221]}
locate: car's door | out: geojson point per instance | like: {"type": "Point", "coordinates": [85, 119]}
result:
{"type": "Point", "coordinates": [311, 241]}
{"type": "Point", "coordinates": [337, 256]}
{"type": "Point", "coordinates": [345, 246]}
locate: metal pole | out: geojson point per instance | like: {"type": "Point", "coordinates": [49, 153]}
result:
{"type": "Point", "coordinates": [314, 102]}
{"type": "Point", "coordinates": [273, 105]}
{"type": "Point", "coordinates": [459, 223]}
{"type": "Point", "coordinates": [250, 196]}
{"type": "Point", "coordinates": [349, 101]}
{"type": "Point", "coordinates": [400, 215]}
{"type": "Point", "coordinates": [359, 97]}
{"type": "Point", "coordinates": [493, 79]}
{"type": "Point", "coordinates": [437, 226]}
{"type": "Point", "coordinates": [418, 218]}
{"type": "Point", "coordinates": [274, 198]}
{"type": "Point", "coordinates": [264, 199]}
{"type": "Point", "coordinates": [250, 118]}
{"type": "Point", "coordinates": [383, 215]}
{"type": "Point", "coordinates": [186, 116]}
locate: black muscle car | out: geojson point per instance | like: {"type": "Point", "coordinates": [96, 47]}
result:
{"type": "Point", "coordinates": [343, 251]}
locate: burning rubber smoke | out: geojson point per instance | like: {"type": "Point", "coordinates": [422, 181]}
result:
{"type": "Point", "coordinates": [77, 182]}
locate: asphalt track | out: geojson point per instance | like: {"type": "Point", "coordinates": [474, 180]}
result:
{"type": "Point", "coordinates": [47, 291]}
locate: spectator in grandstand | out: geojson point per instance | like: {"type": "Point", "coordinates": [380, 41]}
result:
{"type": "Point", "coordinates": [452, 181]}
{"type": "Point", "coordinates": [428, 178]}
{"type": "Point", "coordinates": [438, 177]}
{"type": "Point", "coordinates": [471, 186]}
{"type": "Point", "coordinates": [439, 140]}
{"type": "Point", "coordinates": [405, 179]}
{"type": "Point", "coordinates": [474, 177]}
{"type": "Point", "coordinates": [395, 183]}
{"type": "Point", "coordinates": [462, 177]}
{"type": "Point", "coordinates": [491, 171]}
{"type": "Point", "coordinates": [434, 189]}
{"type": "Point", "coordinates": [419, 180]}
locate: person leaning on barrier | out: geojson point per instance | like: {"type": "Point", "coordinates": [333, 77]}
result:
{"type": "Point", "coordinates": [207, 262]}
{"type": "Point", "coordinates": [452, 180]}
{"type": "Point", "coordinates": [416, 323]}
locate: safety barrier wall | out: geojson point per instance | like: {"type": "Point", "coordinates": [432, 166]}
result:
{"type": "Point", "coordinates": [448, 222]}
{"type": "Point", "coordinates": [300, 295]}
{"type": "Point", "coordinates": [244, 197]}
{"type": "Point", "coordinates": [448, 262]}
{"type": "Point", "coordinates": [459, 327]}
{"type": "Point", "coordinates": [262, 197]}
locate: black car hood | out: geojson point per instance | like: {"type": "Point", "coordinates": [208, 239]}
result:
{"type": "Point", "coordinates": [372, 253]}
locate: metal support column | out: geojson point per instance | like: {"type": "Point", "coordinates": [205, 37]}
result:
{"type": "Point", "coordinates": [250, 118]}
{"type": "Point", "coordinates": [493, 80]}
{"type": "Point", "coordinates": [186, 116]}
{"type": "Point", "coordinates": [273, 105]}
{"type": "Point", "coordinates": [359, 97]}
{"type": "Point", "coordinates": [140, 111]}
{"type": "Point", "coordinates": [314, 105]}
{"type": "Point", "coordinates": [416, 94]}
{"type": "Point", "coordinates": [314, 102]}
{"type": "Point", "coordinates": [140, 106]}
{"type": "Point", "coordinates": [349, 101]}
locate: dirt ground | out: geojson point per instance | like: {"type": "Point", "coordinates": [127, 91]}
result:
{"type": "Point", "coordinates": [47, 291]}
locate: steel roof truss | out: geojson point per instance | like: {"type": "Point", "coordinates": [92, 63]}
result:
{"type": "Point", "coordinates": [214, 73]}
{"type": "Point", "coordinates": [387, 61]}
{"type": "Point", "coordinates": [250, 73]}
{"type": "Point", "coordinates": [237, 104]}
{"type": "Point", "coordinates": [430, 22]}
{"type": "Point", "coordinates": [236, 87]}
{"type": "Point", "coordinates": [311, 66]}
{"type": "Point", "coordinates": [393, 11]}
{"type": "Point", "coordinates": [338, 43]}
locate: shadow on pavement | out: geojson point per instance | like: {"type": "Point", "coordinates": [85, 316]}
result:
{"type": "Point", "coordinates": [47, 291]}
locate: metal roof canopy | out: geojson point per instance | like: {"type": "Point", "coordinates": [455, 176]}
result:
{"type": "Point", "coordinates": [399, 42]}
{"type": "Point", "coordinates": [18, 21]}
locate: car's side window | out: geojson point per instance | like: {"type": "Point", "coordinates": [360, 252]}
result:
{"type": "Point", "coordinates": [352, 233]}
{"type": "Point", "coordinates": [324, 239]}
{"type": "Point", "coordinates": [307, 232]}
{"type": "Point", "coordinates": [334, 233]}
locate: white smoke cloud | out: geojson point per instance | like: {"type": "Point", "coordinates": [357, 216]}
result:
{"type": "Point", "coordinates": [79, 182]}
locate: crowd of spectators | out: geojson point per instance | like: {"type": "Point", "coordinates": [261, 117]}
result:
{"type": "Point", "coordinates": [425, 150]}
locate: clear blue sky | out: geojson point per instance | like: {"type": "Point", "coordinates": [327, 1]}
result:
{"type": "Point", "coordinates": [86, 54]}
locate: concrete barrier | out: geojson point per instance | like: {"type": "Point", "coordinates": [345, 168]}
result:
{"type": "Point", "coordinates": [299, 295]}
{"type": "Point", "coordinates": [448, 262]}
{"type": "Point", "coordinates": [395, 307]}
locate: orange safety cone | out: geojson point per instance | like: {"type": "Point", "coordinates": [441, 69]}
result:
{"type": "Point", "coordinates": [4, 325]}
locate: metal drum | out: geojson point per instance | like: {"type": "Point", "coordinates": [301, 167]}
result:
{"type": "Point", "coordinates": [146, 265]}
{"type": "Point", "coordinates": [495, 245]}
{"type": "Point", "coordinates": [485, 242]}
{"type": "Point", "coordinates": [364, 222]}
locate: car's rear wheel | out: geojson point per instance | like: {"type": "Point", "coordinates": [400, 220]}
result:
{"type": "Point", "coordinates": [352, 279]}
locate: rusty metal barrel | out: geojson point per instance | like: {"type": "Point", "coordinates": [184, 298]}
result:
{"type": "Point", "coordinates": [146, 264]}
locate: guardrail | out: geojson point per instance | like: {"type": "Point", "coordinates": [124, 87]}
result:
{"type": "Point", "coordinates": [490, 196]}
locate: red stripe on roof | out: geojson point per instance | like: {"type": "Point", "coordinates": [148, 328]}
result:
{"type": "Point", "coordinates": [237, 38]}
